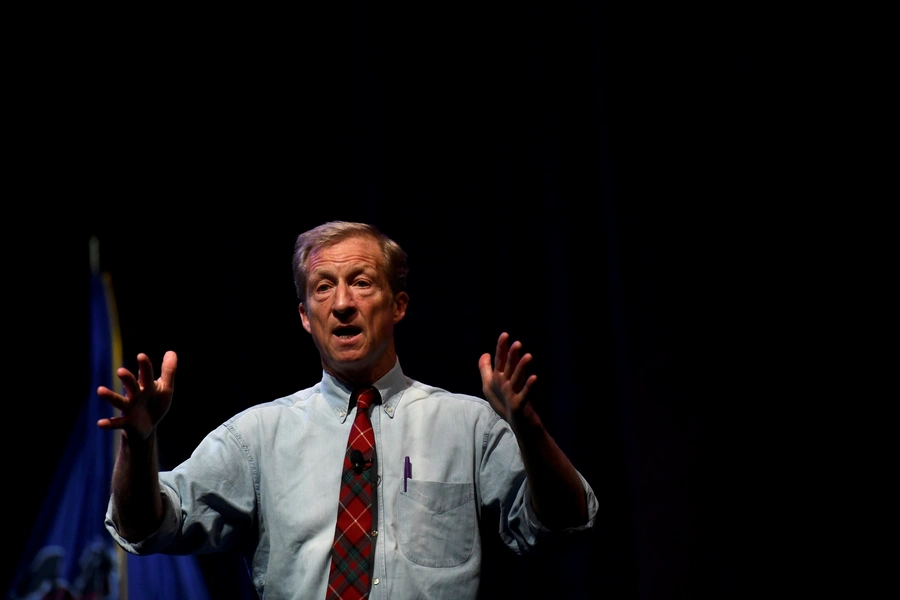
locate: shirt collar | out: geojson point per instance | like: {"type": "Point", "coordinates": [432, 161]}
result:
{"type": "Point", "coordinates": [390, 386]}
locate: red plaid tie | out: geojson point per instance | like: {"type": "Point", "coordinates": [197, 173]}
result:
{"type": "Point", "coordinates": [351, 555]}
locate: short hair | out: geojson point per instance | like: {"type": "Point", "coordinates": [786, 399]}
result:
{"type": "Point", "coordinates": [393, 257]}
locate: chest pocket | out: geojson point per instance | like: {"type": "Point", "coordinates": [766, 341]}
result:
{"type": "Point", "coordinates": [437, 523]}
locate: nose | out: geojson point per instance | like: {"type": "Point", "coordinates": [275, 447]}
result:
{"type": "Point", "coordinates": [343, 299]}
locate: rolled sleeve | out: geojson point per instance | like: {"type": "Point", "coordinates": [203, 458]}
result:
{"type": "Point", "coordinates": [159, 539]}
{"type": "Point", "coordinates": [535, 524]}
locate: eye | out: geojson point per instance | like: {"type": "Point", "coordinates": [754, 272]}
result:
{"type": "Point", "coordinates": [364, 283]}
{"type": "Point", "coordinates": [322, 286]}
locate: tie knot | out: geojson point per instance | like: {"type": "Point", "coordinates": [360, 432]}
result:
{"type": "Point", "coordinates": [365, 397]}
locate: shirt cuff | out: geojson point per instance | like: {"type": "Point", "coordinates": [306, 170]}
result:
{"type": "Point", "coordinates": [541, 530]}
{"type": "Point", "coordinates": [157, 540]}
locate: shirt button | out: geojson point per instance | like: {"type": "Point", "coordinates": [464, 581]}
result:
{"type": "Point", "coordinates": [390, 410]}
{"type": "Point", "coordinates": [342, 413]}
{"type": "Point", "coordinates": [374, 533]}
{"type": "Point", "coordinates": [375, 581]}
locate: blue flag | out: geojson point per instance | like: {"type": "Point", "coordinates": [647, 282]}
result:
{"type": "Point", "coordinates": [69, 554]}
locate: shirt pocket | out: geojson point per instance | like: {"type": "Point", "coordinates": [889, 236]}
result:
{"type": "Point", "coordinates": [437, 522]}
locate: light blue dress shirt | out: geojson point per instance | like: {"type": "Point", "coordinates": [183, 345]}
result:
{"type": "Point", "coordinates": [266, 483]}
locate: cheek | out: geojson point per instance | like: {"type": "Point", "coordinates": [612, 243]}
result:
{"type": "Point", "coordinates": [314, 321]}
{"type": "Point", "coordinates": [386, 321]}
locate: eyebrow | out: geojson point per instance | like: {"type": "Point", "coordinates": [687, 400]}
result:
{"type": "Point", "coordinates": [355, 271]}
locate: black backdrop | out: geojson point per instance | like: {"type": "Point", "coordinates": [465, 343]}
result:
{"type": "Point", "coordinates": [581, 177]}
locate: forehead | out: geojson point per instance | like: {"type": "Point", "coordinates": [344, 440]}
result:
{"type": "Point", "coordinates": [354, 252]}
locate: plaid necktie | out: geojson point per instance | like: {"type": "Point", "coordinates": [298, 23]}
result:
{"type": "Point", "coordinates": [351, 555]}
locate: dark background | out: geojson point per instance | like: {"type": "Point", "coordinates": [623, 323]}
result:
{"type": "Point", "coordinates": [594, 180]}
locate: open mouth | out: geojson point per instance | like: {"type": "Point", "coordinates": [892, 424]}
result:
{"type": "Point", "coordinates": [347, 332]}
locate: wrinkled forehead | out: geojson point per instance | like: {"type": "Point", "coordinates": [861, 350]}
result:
{"type": "Point", "coordinates": [355, 253]}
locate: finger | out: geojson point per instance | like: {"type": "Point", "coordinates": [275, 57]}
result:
{"type": "Point", "coordinates": [111, 423]}
{"type": "Point", "coordinates": [519, 376]}
{"type": "Point", "coordinates": [513, 358]}
{"type": "Point", "coordinates": [167, 371]}
{"type": "Point", "coordinates": [502, 349]}
{"type": "Point", "coordinates": [128, 381]}
{"type": "Point", "coordinates": [145, 371]}
{"type": "Point", "coordinates": [487, 373]}
{"type": "Point", "coordinates": [113, 398]}
{"type": "Point", "coordinates": [529, 383]}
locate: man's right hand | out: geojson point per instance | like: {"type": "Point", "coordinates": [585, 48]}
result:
{"type": "Point", "coordinates": [146, 400]}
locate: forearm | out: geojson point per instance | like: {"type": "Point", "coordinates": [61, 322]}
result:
{"type": "Point", "coordinates": [557, 493]}
{"type": "Point", "coordinates": [135, 488]}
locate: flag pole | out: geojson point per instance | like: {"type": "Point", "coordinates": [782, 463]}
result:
{"type": "Point", "coordinates": [116, 339]}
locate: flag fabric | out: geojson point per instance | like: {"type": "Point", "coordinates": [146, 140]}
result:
{"type": "Point", "coordinates": [69, 554]}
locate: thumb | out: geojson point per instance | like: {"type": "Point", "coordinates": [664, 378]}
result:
{"type": "Point", "coordinates": [484, 365]}
{"type": "Point", "coordinates": [169, 366]}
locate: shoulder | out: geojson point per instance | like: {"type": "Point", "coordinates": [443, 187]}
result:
{"type": "Point", "coordinates": [417, 392]}
{"type": "Point", "coordinates": [268, 413]}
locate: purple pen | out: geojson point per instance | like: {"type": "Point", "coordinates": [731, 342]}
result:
{"type": "Point", "coordinates": [407, 471]}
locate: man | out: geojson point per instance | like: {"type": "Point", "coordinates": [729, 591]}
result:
{"type": "Point", "coordinates": [268, 481]}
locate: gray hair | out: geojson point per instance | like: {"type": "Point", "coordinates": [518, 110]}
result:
{"type": "Point", "coordinates": [393, 256]}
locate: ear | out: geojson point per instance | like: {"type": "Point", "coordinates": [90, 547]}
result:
{"type": "Point", "coordinates": [401, 300]}
{"type": "Point", "coordinates": [304, 318]}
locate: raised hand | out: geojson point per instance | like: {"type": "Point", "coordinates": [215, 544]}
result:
{"type": "Point", "coordinates": [506, 384]}
{"type": "Point", "coordinates": [146, 400]}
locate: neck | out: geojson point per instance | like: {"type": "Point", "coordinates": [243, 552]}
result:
{"type": "Point", "coordinates": [363, 376]}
